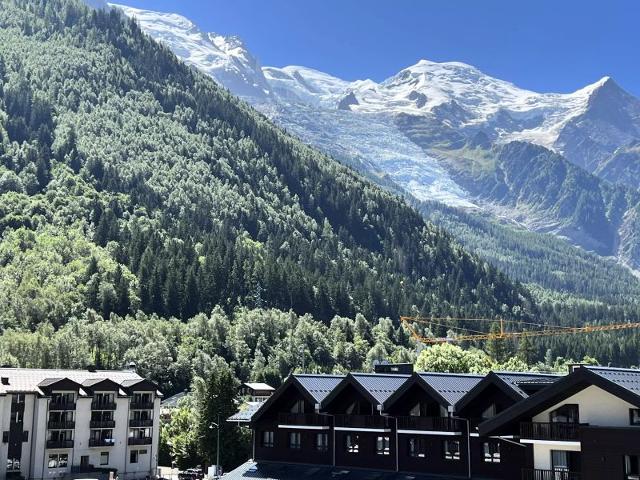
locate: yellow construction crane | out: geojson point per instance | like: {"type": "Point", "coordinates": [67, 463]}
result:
{"type": "Point", "coordinates": [544, 331]}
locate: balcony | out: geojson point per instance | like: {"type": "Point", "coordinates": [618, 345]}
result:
{"type": "Point", "coordinates": [567, 432]}
{"type": "Point", "coordinates": [102, 424]}
{"type": "Point", "coordinates": [59, 443]}
{"type": "Point", "coordinates": [61, 425]}
{"type": "Point", "coordinates": [363, 422]}
{"type": "Point", "coordinates": [62, 405]}
{"type": "Point", "coordinates": [431, 424]}
{"type": "Point", "coordinates": [141, 423]}
{"type": "Point", "coordinates": [141, 405]}
{"type": "Point", "coordinates": [140, 441]}
{"type": "Point", "coordinates": [102, 405]}
{"type": "Point", "coordinates": [101, 442]}
{"type": "Point", "coordinates": [534, 474]}
{"type": "Point", "coordinates": [304, 420]}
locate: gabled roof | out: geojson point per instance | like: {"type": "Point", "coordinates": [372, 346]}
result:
{"type": "Point", "coordinates": [377, 387]}
{"type": "Point", "coordinates": [259, 386]}
{"type": "Point", "coordinates": [313, 387]}
{"type": "Point", "coordinates": [26, 380]}
{"type": "Point", "coordinates": [246, 413]}
{"type": "Point", "coordinates": [445, 388]}
{"type": "Point", "coordinates": [621, 382]}
{"type": "Point", "coordinates": [511, 383]}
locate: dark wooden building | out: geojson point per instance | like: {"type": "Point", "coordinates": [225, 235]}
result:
{"type": "Point", "coordinates": [585, 426]}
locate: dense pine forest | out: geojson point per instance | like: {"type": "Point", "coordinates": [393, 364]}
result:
{"type": "Point", "coordinates": [148, 215]}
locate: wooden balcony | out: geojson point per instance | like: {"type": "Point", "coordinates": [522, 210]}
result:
{"type": "Point", "coordinates": [568, 432]}
{"type": "Point", "coordinates": [363, 422]}
{"type": "Point", "coordinates": [141, 405]}
{"type": "Point", "coordinates": [535, 474]}
{"type": "Point", "coordinates": [304, 420]}
{"type": "Point", "coordinates": [431, 424]}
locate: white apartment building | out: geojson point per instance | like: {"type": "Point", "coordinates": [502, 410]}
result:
{"type": "Point", "coordinates": [69, 424]}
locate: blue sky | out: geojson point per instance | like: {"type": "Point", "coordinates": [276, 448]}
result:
{"type": "Point", "coordinates": [544, 45]}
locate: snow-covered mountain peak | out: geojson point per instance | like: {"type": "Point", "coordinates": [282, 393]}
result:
{"type": "Point", "coordinates": [224, 58]}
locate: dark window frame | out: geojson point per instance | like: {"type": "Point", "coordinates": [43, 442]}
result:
{"type": "Point", "coordinates": [491, 452]}
{"type": "Point", "coordinates": [268, 439]}
{"type": "Point", "coordinates": [383, 445]}
{"type": "Point", "coordinates": [352, 443]}
{"type": "Point", "coordinates": [295, 445]}
{"type": "Point", "coordinates": [448, 453]}
{"type": "Point", "coordinates": [635, 411]}
{"type": "Point", "coordinates": [322, 446]}
{"type": "Point", "coordinates": [631, 466]}
{"type": "Point", "coordinates": [417, 447]}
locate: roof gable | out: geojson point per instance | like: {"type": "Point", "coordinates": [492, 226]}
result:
{"type": "Point", "coordinates": [376, 388]}
{"type": "Point", "coordinates": [313, 387]}
{"type": "Point", "coordinates": [622, 383]}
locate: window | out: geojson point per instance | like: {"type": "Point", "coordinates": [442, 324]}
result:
{"type": "Point", "coordinates": [17, 417]}
{"type": "Point", "coordinates": [383, 446]}
{"type": "Point", "coordinates": [104, 458]}
{"type": "Point", "coordinates": [560, 460]}
{"type": "Point", "coordinates": [133, 456]}
{"type": "Point", "coordinates": [322, 442]}
{"type": "Point", "coordinates": [13, 465]}
{"type": "Point", "coordinates": [491, 451]}
{"type": "Point", "coordinates": [5, 437]}
{"type": "Point", "coordinates": [631, 467]}
{"type": "Point", "coordinates": [295, 442]}
{"type": "Point", "coordinates": [352, 443]}
{"type": "Point", "coordinates": [298, 407]}
{"type": "Point", "coordinates": [415, 411]}
{"type": "Point", "coordinates": [267, 439]}
{"type": "Point", "coordinates": [25, 436]}
{"type": "Point", "coordinates": [568, 413]}
{"type": "Point", "coordinates": [634, 416]}
{"type": "Point", "coordinates": [58, 460]}
{"type": "Point", "coordinates": [17, 398]}
{"type": "Point", "coordinates": [452, 450]}
{"type": "Point", "coordinates": [489, 412]}
{"type": "Point", "coordinates": [417, 447]}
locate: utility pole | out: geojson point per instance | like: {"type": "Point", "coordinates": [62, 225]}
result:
{"type": "Point", "coordinates": [218, 450]}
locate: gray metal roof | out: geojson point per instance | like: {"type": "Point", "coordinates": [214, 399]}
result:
{"type": "Point", "coordinates": [516, 379]}
{"type": "Point", "coordinates": [29, 380]}
{"type": "Point", "coordinates": [380, 386]}
{"type": "Point", "coordinates": [318, 386]}
{"type": "Point", "coordinates": [284, 471]}
{"type": "Point", "coordinates": [624, 377]}
{"type": "Point", "coordinates": [172, 401]}
{"type": "Point", "coordinates": [452, 386]}
{"type": "Point", "coordinates": [245, 414]}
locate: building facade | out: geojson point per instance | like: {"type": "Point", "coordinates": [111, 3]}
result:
{"type": "Point", "coordinates": [585, 426]}
{"type": "Point", "coordinates": [74, 424]}
{"type": "Point", "coordinates": [504, 425]}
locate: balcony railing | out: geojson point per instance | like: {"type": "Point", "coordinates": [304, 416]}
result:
{"type": "Point", "coordinates": [140, 441]}
{"type": "Point", "coordinates": [436, 424]}
{"type": "Point", "coordinates": [304, 419]}
{"type": "Point", "coordinates": [59, 443]}
{"type": "Point", "coordinates": [141, 423]}
{"type": "Point", "coordinates": [64, 405]}
{"type": "Point", "coordinates": [61, 425]}
{"type": "Point", "coordinates": [534, 474]}
{"type": "Point", "coordinates": [102, 424]}
{"type": "Point", "coordinates": [102, 405]}
{"type": "Point", "coordinates": [550, 431]}
{"type": "Point", "coordinates": [101, 442]}
{"type": "Point", "coordinates": [141, 405]}
{"type": "Point", "coordinates": [363, 421]}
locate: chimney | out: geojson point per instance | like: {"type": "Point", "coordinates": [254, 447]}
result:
{"type": "Point", "coordinates": [4, 380]}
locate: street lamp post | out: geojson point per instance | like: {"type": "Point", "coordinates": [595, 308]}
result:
{"type": "Point", "coordinates": [217, 426]}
